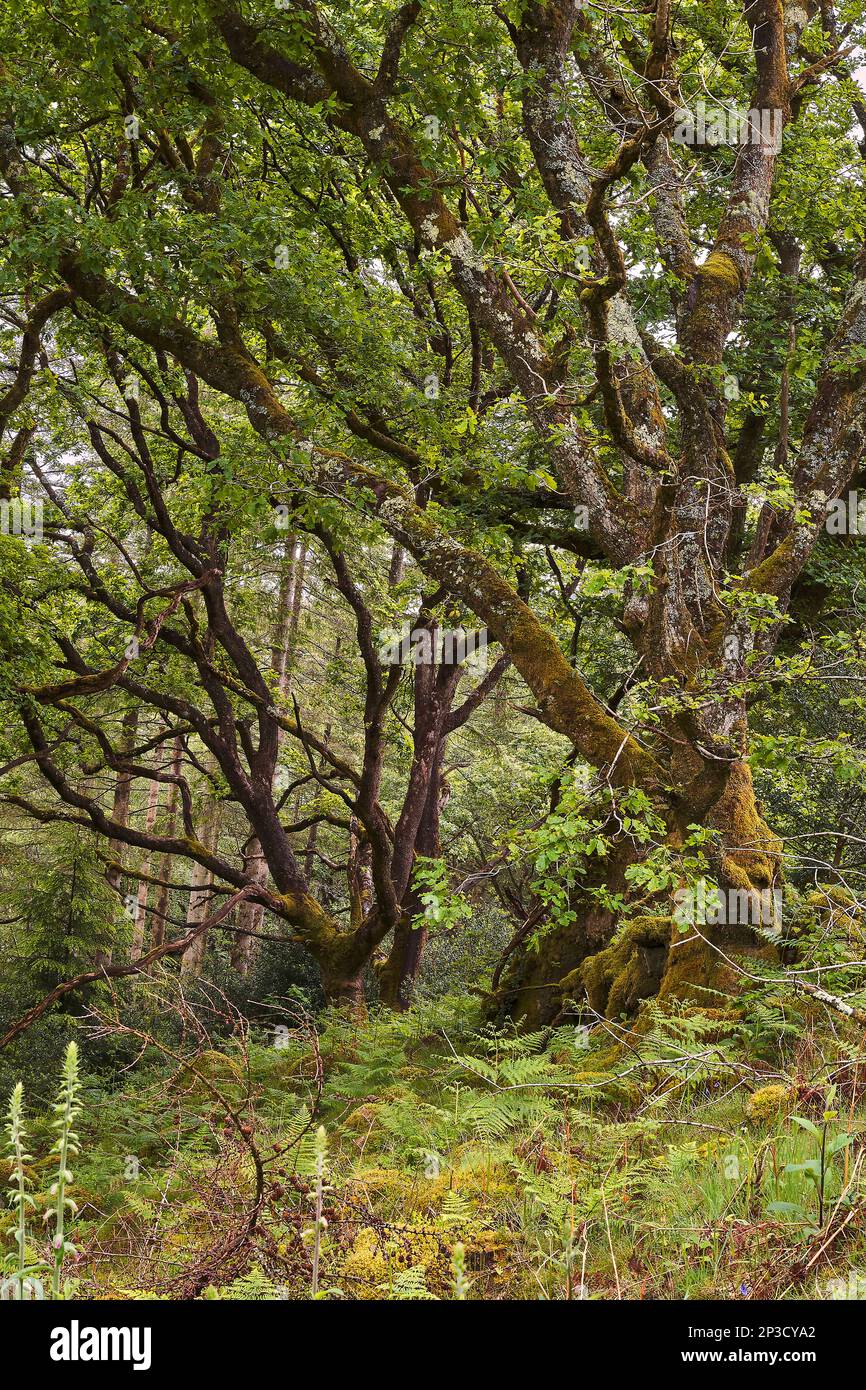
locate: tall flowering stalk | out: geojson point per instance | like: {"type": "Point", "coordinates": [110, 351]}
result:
{"type": "Point", "coordinates": [18, 1195]}
{"type": "Point", "coordinates": [321, 1151]}
{"type": "Point", "coordinates": [67, 1108]}
{"type": "Point", "coordinates": [461, 1284]}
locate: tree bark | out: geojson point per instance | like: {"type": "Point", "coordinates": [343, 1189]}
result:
{"type": "Point", "coordinates": [161, 906]}
{"type": "Point", "coordinates": [613, 966]}
{"type": "Point", "coordinates": [192, 961]}
{"type": "Point", "coordinates": [120, 809]}
{"type": "Point", "coordinates": [399, 975]}
{"type": "Point", "coordinates": [250, 915]}
{"type": "Point", "coordinates": [139, 925]}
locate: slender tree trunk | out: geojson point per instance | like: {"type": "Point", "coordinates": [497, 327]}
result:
{"type": "Point", "coordinates": [285, 609]}
{"type": "Point", "coordinates": [120, 810]}
{"type": "Point", "coordinates": [139, 925]}
{"type": "Point", "coordinates": [250, 915]}
{"type": "Point", "coordinates": [288, 611]}
{"type": "Point", "coordinates": [297, 597]}
{"type": "Point", "coordinates": [163, 898]}
{"type": "Point", "coordinates": [192, 960]}
{"type": "Point", "coordinates": [313, 832]}
{"type": "Point", "coordinates": [360, 875]}
{"type": "Point", "coordinates": [122, 791]}
{"type": "Point", "coordinates": [399, 975]}
{"type": "Point", "coordinates": [417, 829]}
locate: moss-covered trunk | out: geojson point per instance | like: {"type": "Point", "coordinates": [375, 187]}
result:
{"type": "Point", "coordinates": [665, 950]}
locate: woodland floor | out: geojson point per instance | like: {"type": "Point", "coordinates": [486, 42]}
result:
{"type": "Point", "coordinates": [676, 1158]}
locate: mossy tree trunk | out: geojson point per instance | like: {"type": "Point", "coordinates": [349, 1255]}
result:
{"type": "Point", "coordinates": [613, 965]}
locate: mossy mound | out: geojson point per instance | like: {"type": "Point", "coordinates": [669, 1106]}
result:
{"type": "Point", "coordinates": [418, 1194]}
{"type": "Point", "coordinates": [361, 1118]}
{"type": "Point", "coordinates": [692, 969]}
{"type": "Point", "coordinates": [629, 969]}
{"type": "Point", "coordinates": [766, 1103]}
{"type": "Point", "coordinates": [650, 958]}
{"type": "Point", "coordinates": [837, 910]}
{"type": "Point", "coordinates": [379, 1256]}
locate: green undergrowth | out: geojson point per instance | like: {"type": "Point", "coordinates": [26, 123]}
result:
{"type": "Point", "coordinates": [688, 1154]}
